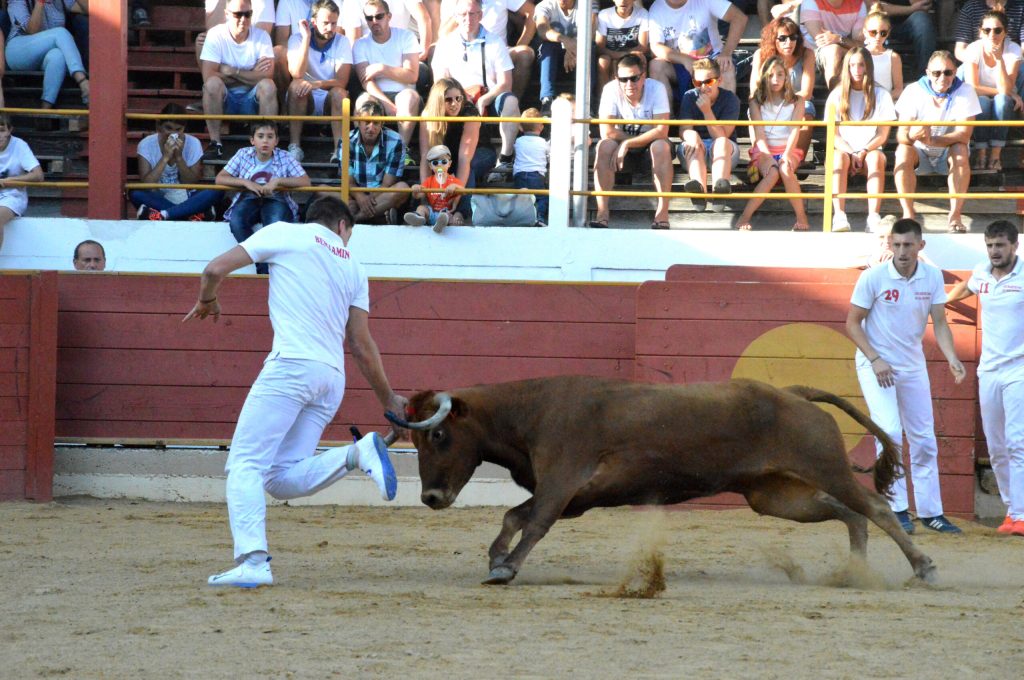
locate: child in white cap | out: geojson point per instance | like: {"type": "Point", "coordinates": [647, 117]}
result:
{"type": "Point", "coordinates": [437, 208]}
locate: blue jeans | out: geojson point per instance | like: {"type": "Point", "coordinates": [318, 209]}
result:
{"type": "Point", "coordinates": [483, 162]}
{"type": "Point", "coordinates": [54, 50]}
{"type": "Point", "coordinates": [253, 210]}
{"type": "Point", "coordinates": [551, 57]}
{"type": "Point", "coordinates": [534, 180]}
{"type": "Point", "coordinates": [918, 29]}
{"type": "Point", "coordinates": [196, 203]}
{"type": "Point", "coordinates": [999, 107]}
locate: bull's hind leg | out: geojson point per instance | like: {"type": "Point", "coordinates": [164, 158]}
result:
{"type": "Point", "coordinates": [514, 520]}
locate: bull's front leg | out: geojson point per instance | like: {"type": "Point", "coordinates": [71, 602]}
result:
{"type": "Point", "coordinates": [511, 525]}
{"type": "Point", "coordinates": [537, 523]}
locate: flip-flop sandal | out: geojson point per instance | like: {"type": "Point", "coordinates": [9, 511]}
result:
{"type": "Point", "coordinates": [801, 227]}
{"type": "Point", "coordinates": [659, 225]}
{"type": "Point", "coordinates": [745, 226]}
{"type": "Point", "coordinates": [956, 228]}
{"type": "Point", "coordinates": [599, 224]}
{"type": "Point", "coordinates": [996, 165]}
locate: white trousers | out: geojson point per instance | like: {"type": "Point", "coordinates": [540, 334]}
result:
{"type": "Point", "coordinates": [284, 416]}
{"type": "Point", "coordinates": [908, 407]}
{"type": "Point", "coordinates": [1002, 418]}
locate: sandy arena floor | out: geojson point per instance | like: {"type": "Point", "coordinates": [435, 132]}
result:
{"type": "Point", "coordinates": [115, 589]}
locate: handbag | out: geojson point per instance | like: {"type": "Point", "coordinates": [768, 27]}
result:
{"type": "Point", "coordinates": [504, 210]}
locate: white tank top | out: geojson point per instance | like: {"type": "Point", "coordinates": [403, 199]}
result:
{"type": "Point", "coordinates": [883, 69]}
{"type": "Point", "coordinates": [777, 135]}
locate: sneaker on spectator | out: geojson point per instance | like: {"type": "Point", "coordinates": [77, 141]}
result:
{"type": "Point", "coordinates": [840, 222]}
{"type": "Point", "coordinates": [694, 187]}
{"type": "Point", "coordinates": [908, 524]}
{"type": "Point", "coordinates": [391, 216]}
{"type": "Point", "coordinates": [941, 524]}
{"type": "Point", "coordinates": [194, 107]}
{"type": "Point", "coordinates": [140, 17]}
{"type": "Point", "coordinates": [414, 219]}
{"type": "Point", "coordinates": [198, 217]}
{"type": "Point", "coordinates": [1006, 528]}
{"type": "Point", "coordinates": [874, 222]}
{"type": "Point", "coordinates": [545, 107]}
{"type": "Point", "coordinates": [142, 213]}
{"type": "Point", "coordinates": [440, 223]}
{"type": "Point", "coordinates": [214, 151]}
{"type": "Point", "coordinates": [244, 576]}
{"type": "Point", "coordinates": [721, 188]}
{"type": "Point", "coordinates": [155, 216]}
{"type": "Point", "coordinates": [296, 152]}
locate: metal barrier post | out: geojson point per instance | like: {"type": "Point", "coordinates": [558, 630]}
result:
{"type": "Point", "coordinates": [830, 150]}
{"type": "Point", "coordinates": [560, 165]}
{"type": "Point", "coordinates": [346, 122]}
{"type": "Point", "coordinates": [581, 151]}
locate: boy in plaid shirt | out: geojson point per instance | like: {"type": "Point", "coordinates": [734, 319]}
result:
{"type": "Point", "coordinates": [261, 171]}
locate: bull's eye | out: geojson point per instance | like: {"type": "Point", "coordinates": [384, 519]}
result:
{"type": "Point", "coordinates": [437, 435]}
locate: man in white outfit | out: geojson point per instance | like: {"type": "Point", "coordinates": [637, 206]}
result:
{"type": "Point", "coordinates": [999, 284]}
{"type": "Point", "coordinates": [888, 315]}
{"type": "Point", "coordinates": [318, 300]}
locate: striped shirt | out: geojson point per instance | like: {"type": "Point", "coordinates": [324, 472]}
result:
{"type": "Point", "coordinates": [968, 20]}
{"type": "Point", "coordinates": [384, 159]}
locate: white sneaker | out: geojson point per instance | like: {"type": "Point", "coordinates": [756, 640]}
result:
{"type": "Point", "coordinates": [414, 219]}
{"type": "Point", "coordinates": [244, 576]}
{"type": "Point", "coordinates": [296, 152]}
{"type": "Point", "coordinates": [873, 223]}
{"type": "Point", "coordinates": [840, 222]}
{"type": "Point", "coordinates": [375, 462]}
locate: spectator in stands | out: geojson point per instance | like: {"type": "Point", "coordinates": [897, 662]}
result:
{"type": "Point", "coordinates": [262, 17]}
{"type": "Point", "coordinates": [991, 67]}
{"type": "Point", "coordinates": [410, 15]}
{"type": "Point", "coordinates": [436, 209]}
{"type": "Point", "coordinates": [18, 164]}
{"type": "Point", "coordinates": [767, 10]}
{"type": "Point", "coordinates": [683, 31]}
{"type": "Point", "coordinates": [831, 27]}
{"type": "Point", "coordinates": [263, 173]}
{"type": "Point", "coordinates": [781, 37]}
{"type": "Point", "coordinates": [375, 160]}
{"type": "Point", "coordinates": [387, 63]}
{"type": "Point", "coordinates": [557, 27]}
{"type": "Point", "coordinates": [90, 257]}
{"type": "Point", "coordinates": [968, 22]}
{"type": "Point", "coordinates": [40, 40]}
{"type": "Point", "coordinates": [776, 152]}
{"type": "Point", "coordinates": [621, 30]}
{"type": "Point", "coordinates": [632, 96]}
{"type": "Point", "coordinates": [941, 149]}
{"type": "Point", "coordinates": [140, 10]}
{"type": "Point", "coordinates": [495, 21]}
{"type": "Point", "coordinates": [859, 150]}
{"type": "Point", "coordinates": [887, 64]}
{"type": "Point", "coordinates": [319, 62]}
{"type": "Point", "coordinates": [238, 71]}
{"type": "Point", "coordinates": [472, 160]}
{"type": "Point", "coordinates": [172, 157]}
{"type": "Point", "coordinates": [705, 145]}
{"type": "Point", "coordinates": [481, 62]}
{"type": "Point", "coordinates": [531, 166]}
{"type": "Point", "coordinates": [912, 22]}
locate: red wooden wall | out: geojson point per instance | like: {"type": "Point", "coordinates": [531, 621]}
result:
{"type": "Point", "coordinates": [128, 367]}
{"type": "Point", "coordinates": [28, 353]}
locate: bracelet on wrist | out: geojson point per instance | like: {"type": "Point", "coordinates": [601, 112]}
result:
{"type": "Point", "coordinates": [871, 361]}
{"type": "Point", "coordinates": [206, 302]}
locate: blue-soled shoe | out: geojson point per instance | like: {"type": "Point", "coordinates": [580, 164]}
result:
{"type": "Point", "coordinates": [941, 524]}
{"type": "Point", "coordinates": [908, 524]}
{"type": "Point", "coordinates": [375, 462]}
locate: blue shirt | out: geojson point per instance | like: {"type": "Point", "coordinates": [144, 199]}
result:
{"type": "Point", "coordinates": [726, 107]}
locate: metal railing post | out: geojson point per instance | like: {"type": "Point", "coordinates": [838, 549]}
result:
{"type": "Point", "coordinates": [346, 122]}
{"type": "Point", "coordinates": [560, 165]}
{"type": "Point", "coordinates": [830, 150]}
{"type": "Point", "coordinates": [581, 131]}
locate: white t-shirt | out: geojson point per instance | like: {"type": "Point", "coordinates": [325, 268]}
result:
{"type": "Point", "coordinates": [622, 34]}
{"type": "Point", "coordinates": [614, 104]}
{"type": "Point", "coordinates": [557, 18]}
{"type": "Point", "coordinates": [402, 16]}
{"type": "Point", "coordinates": [402, 42]}
{"type": "Point", "coordinates": [221, 48]}
{"type": "Point", "coordinates": [858, 137]}
{"type": "Point", "coordinates": [313, 281]}
{"type": "Point", "coordinates": [322, 65]}
{"type": "Point", "coordinates": [262, 11]}
{"type": "Point", "coordinates": [776, 135]}
{"type": "Point", "coordinates": [898, 312]}
{"type": "Point", "coordinates": [461, 59]}
{"type": "Point", "coordinates": [917, 104]}
{"type": "Point", "coordinates": [531, 154]}
{"type": "Point", "coordinates": [16, 159]}
{"type": "Point", "coordinates": [191, 153]}
{"type": "Point", "coordinates": [291, 12]}
{"type": "Point", "coordinates": [987, 74]}
{"type": "Point", "coordinates": [495, 18]}
{"type": "Point", "coordinates": [692, 29]}
{"type": "Point", "coordinates": [1002, 316]}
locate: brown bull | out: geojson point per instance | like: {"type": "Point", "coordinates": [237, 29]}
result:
{"type": "Point", "coordinates": [578, 443]}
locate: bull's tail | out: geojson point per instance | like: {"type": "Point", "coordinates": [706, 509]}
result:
{"type": "Point", "coordinates": [889, 466]}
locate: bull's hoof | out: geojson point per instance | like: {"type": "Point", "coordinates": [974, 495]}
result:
{"type": "Point", "coordinates": [928, 573]}
{"type": "Point", "coordinates": [499, 576]}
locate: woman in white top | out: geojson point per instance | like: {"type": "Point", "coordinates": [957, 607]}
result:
{"type": "Point", "coordinates": [858, 150]}
{"type": "Point", "coordinates": [887, 63]}
{"type": "Point", "coordinates": [990, 67]}
{"type": "Point", "coordinates": [775, 152]}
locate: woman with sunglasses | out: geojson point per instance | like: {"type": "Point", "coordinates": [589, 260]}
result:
{"type": "Point", "coordinates": [774, 152]}
{"type": "Point", "coordinates": [859, 150]}
{"type": "Point", "coordinates": [990, 66]}
{"type": "Point", "coordinates": [781, 38]}
{"type": "Point", "coordinates": [471, 161]}
{"type": "Point", "coordinates": [968, 21]}
{"type": "Point", "coordinates": [888, 67]}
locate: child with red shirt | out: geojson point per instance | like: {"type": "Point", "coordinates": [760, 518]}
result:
{"type": "Point", "coordinates": [437, 208]}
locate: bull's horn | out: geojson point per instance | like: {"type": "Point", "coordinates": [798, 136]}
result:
{"type": "Point", "coordinates": [444, 407]}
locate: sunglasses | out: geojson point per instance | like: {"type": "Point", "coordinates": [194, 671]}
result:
{"type": "Point", "coordinates": [370, 18]}
{"type": "Point", "coordinates": [247, 14]}
{"type": "Point", "coordinates": [630, 79]}
{"type": "Point", "coordinates": [996, 30]}
{"type": "Point", "coordinates": [881, 33]}
{"type": "Point", "coordinates": [708, 82]}
{"type": "Point", "coordinates": [785, 38]}
{"type": "Point", "coordinates": [439, 161]}
{"type": "Point", "coordinates": [457, 99]}
{"type": "Point", "coordinates": [939, 74]}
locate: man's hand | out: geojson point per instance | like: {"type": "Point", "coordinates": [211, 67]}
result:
{"type": "Point", "coordinates": [569, 58]}
{"type": "Point", "coordinates": [958, 371]}
{"type": "Point", "coordinates": [252, 187]}
{"type": "Point", "coordinates": [365, 202]}
{"type": "Point", "coordinates": [304, 31]}
{"type": "Point", "coordinates": [264, 65]}
{"type": "Point", "coordinates": [620, 154]}
{"type": "Point", "coordinates": [303, 87]}
{"type": "Point", "coordinates": [920, 5]}
{"type": "Point", "coordinates": [372, 71]}
{"type": "Point", "coordinates": [396, 404]}
{"type": "Point", "coordinates": [826, 38]}
{"type": "Point", "coordinates": [270, 187]}
{"type": "Point", "coordinates": [724, 64]}
{"type": "Point", "coordinates": [201, 310]}
{"type": "Point", "coordinates": [704, 103]}
{"type": "Point", "coordinates": [883, 372]}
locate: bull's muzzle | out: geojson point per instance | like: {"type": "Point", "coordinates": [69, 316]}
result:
{"type": "Point", "coordinates": [436, 499]}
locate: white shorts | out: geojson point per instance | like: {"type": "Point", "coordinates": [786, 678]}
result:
{"type": "Point", "coordinates": [319, 98]}
{"type": "Point", "coordinates": [15, 200]}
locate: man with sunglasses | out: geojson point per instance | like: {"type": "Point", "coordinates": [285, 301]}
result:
{"type": "Point", "coordinates": [387, 64]}
{"type": "Point", "coordinates": [940, 149]}
{"type": "Point", "coordinates": [262, 17]}
{"type": "Point", "coordinates": [708, 144]}
{"type": "Point", "coordinates": [238, 71]}
{"type": "Point", "coordinates": [631, 96]}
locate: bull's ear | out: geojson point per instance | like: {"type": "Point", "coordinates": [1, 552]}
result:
{"type": "Point", "coordinates": [460, 409]}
